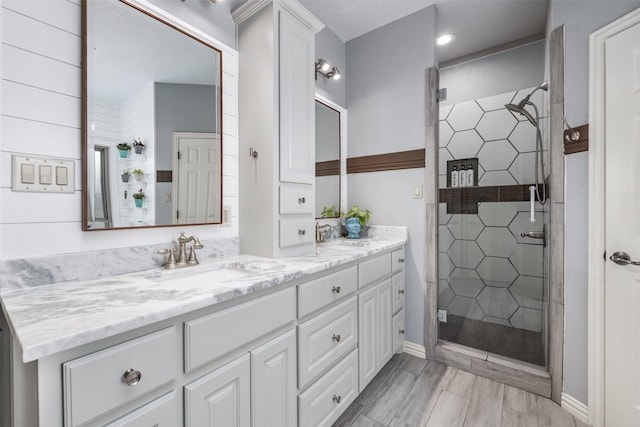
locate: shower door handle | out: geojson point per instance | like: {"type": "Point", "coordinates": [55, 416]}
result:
{"type": "Point", "coordinates": [622, 258]}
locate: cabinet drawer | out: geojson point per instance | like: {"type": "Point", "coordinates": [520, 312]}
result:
{"type": "Point", "coordinates": [209, 337]}
{"type": "Point", "coordinates": [324, 339]}
{"type": "Point", "coordinates": [398, 332]}
{"type": "Point", "coordinates": [374, 269]}
{"type": "Point", "coordinates": [321, 292]}
{"type": "Point", "coordinates": [397, 260]}
{"type": "Point", "coordinates": [294, 232]}
{"type": "Point", "coordinates": [397, 292]}
{"type": "Point", "coordinates": [331, 395]}
{"type": "Point", "coordinates": [161, 412]}
{"type": "Point", "coordinates": [296, 199]}
{"type": "Point", "coordinates": [94, 384]}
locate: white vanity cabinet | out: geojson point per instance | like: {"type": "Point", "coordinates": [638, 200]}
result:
{"type": "Point", "coordinates": [257, 389]}
{"type": "Point", "coordinates": [276, 127]}
{"type": "Point", "coordinates": [397, 299]}
{"type": "Point", "coordinates": [297, 355]}
{"type": "Point", "coordinates": [374, 316]}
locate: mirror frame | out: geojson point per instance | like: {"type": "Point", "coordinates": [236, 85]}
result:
{"type": "Point", "coordinates": [174, 24]}
{"type": "Point", "coordinates": [342, 150]}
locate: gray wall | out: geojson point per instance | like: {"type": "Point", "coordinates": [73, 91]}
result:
{"type": "Point", "coordinates": [385, 91]}
{"type": "Point", "coordinates": [386, 102]}
{"type": "Point", "coordinates": [179, 108]}
{"type": "Point", "coordinates": [330, 47]}
{"type": "Point", "coordinates": [514, 69]}
{"type": "Point", "coordinates": [580, 19]}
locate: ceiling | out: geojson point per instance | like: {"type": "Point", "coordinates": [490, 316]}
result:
{"type": "Point", "coordinates": [477, 25]}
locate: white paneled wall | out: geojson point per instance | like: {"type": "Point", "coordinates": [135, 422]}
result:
{"type": "Point", "coordinates": [40, 105]}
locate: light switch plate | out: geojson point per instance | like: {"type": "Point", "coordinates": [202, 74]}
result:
{"type": "Point", "coordinates": [49, 175]}
{"type": "Point", "coordinates": [226, 216]}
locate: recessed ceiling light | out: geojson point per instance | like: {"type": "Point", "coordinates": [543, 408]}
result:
{"type": "Point", "coordinates": [444, 39]}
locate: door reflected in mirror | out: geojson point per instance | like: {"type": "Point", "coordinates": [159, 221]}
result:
{"type": "Point", "coordinates": [152, 131]}
{"type": "Point", "coordinates": [328, 172]}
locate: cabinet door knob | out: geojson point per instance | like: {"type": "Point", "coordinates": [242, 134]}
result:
{"type": "Point", "coordinates": [337, 399]}
{"type": "Point", "coordinates": [401, 260]}
{"type": "Point", "coordinates": [131, 377]}
{"type": "Point", "coordinates": [401, 331]}
{"type": "Point", "coordinates": [302, 200]}
{"type": "Point", "coordinates": [302, 232]}
{"type": "Point", "coordinates": [336, 338]}
{"type": "Point", "coordinates": [401, 291]}
{"type": "Point", "coordinates": [335, 289]}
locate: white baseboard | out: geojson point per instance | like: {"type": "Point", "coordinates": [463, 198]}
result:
{"type": "Point", "coordinates": [416, 350]}
{"type": "Point", "coordinates": [575, 408]}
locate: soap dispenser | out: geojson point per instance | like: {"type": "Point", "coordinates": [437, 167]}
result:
{"type": "Point", "coordinates": [454, 176]}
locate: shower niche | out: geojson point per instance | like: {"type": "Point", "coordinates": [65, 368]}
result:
{"type": "Point", "coordinates": [462, 175]}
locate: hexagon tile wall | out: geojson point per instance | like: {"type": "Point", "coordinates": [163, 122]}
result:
{"type": "Point", "coordinates": [487, 271]}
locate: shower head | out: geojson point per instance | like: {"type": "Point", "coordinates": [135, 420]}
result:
{"type": "Point", "coordinates": [520, 110]}
{"type": "Point", "coordinates": [519, 107]}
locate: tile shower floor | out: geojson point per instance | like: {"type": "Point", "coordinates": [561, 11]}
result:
{"type": "Point", "coordinates": [412, 392]}
{"type": "Point", "coordinates": [520, 344]}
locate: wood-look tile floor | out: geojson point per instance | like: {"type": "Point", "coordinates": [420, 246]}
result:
{"type": "Point", "coordinates": [412, 392]}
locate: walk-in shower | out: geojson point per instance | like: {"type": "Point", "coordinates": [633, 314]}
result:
{"type": "Point", "coordinates": [493, 275]}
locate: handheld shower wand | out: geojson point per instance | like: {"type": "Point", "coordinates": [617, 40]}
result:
{"type": "Point", "coordinates": [520, 109]}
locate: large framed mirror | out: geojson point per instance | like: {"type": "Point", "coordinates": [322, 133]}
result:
{"type": "Point", "coordinates": [330, 158]}
{"type": "Point", "coordinates": [152, 121]}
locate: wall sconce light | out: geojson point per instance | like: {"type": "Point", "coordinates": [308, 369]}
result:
{"type": "Point", "coordinates": [325, 69]}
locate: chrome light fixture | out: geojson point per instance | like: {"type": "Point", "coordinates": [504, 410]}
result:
{"type": "Point", "coordinates": [325, 69]}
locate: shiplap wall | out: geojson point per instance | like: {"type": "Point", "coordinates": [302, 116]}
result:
{"type": "Point", "coordinates": [40, 105]}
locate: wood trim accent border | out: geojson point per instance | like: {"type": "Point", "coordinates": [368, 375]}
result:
{"type": "Point", "coordinates": [581, 144]}
{"type": "Point", "coordinates": [385, 162]}
{"type": "Point", "coordinates": [501, 193]}
{"type": "Point", "coordinates": [330, 167]}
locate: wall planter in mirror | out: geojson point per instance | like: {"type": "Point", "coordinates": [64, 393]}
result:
{"type": "Point", "coordinates": [137, 92]}
{"type": "Point", "coordinates": [123, 150]}
{"type": "Point", "coordinates": [125, 176]}
{"type": "Point", "coordinates": [138, 174]}
{"type": "Point", "coordinates": [138, 146]}
{"type": "Point", "coordinates": [138, 198]}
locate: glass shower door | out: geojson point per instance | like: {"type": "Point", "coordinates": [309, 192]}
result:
{"type": "Point", "coordinates": [491, 278]}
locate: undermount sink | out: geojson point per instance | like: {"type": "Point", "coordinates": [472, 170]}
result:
{"type": "Point", "coordinates": [348, 242]}
{"type": "Point", "coordinates": [198, 276]}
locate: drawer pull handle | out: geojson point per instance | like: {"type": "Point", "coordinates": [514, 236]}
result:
{"type": "Point", "coordinates": [336, 338]}
{"type": "Point", "coordinates": [337, 399]}
{"type": "Point", "coordinates": [131, 377]}
{"type": "Point", "coordinates": [302, 232]}
{"type": "Point", "coordinates": [335, 289]}
{"type": "Point", "coordinates": [401, 291]}
{"type": "Point", "coordinates": [401, 331]}
{"type": "Point", "coordinates": [302, 200]}
{"type": "Point", "coordinates": [401, 260]}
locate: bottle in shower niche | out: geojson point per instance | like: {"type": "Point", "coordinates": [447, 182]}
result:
{"type": "Point", "coordinates": [470, 181]}
{"type": "Point", "coordinates": [462, 179]}
{"type": "Point", "coordinates": [454, 176]}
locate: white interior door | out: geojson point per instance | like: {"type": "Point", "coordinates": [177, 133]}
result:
{"type": "Point", "coordinates": [196, 180]}
{"type": "Point", "coordinates": [622, 288]}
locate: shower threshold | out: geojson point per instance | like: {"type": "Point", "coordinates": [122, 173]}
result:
{"type": "Point", "coordinates": [525, 376]}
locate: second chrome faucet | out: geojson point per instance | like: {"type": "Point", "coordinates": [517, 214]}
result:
{"type": "Point", "coordinates": [182, 259]}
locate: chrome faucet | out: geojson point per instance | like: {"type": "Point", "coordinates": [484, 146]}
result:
{"type": "Point", "coordinates": [321, 230]}
{"type": "Point", "coordinates": [183, 260]}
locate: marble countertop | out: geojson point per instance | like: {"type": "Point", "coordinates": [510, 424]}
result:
{"type": "Point", "coordinates": [49, 319]}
